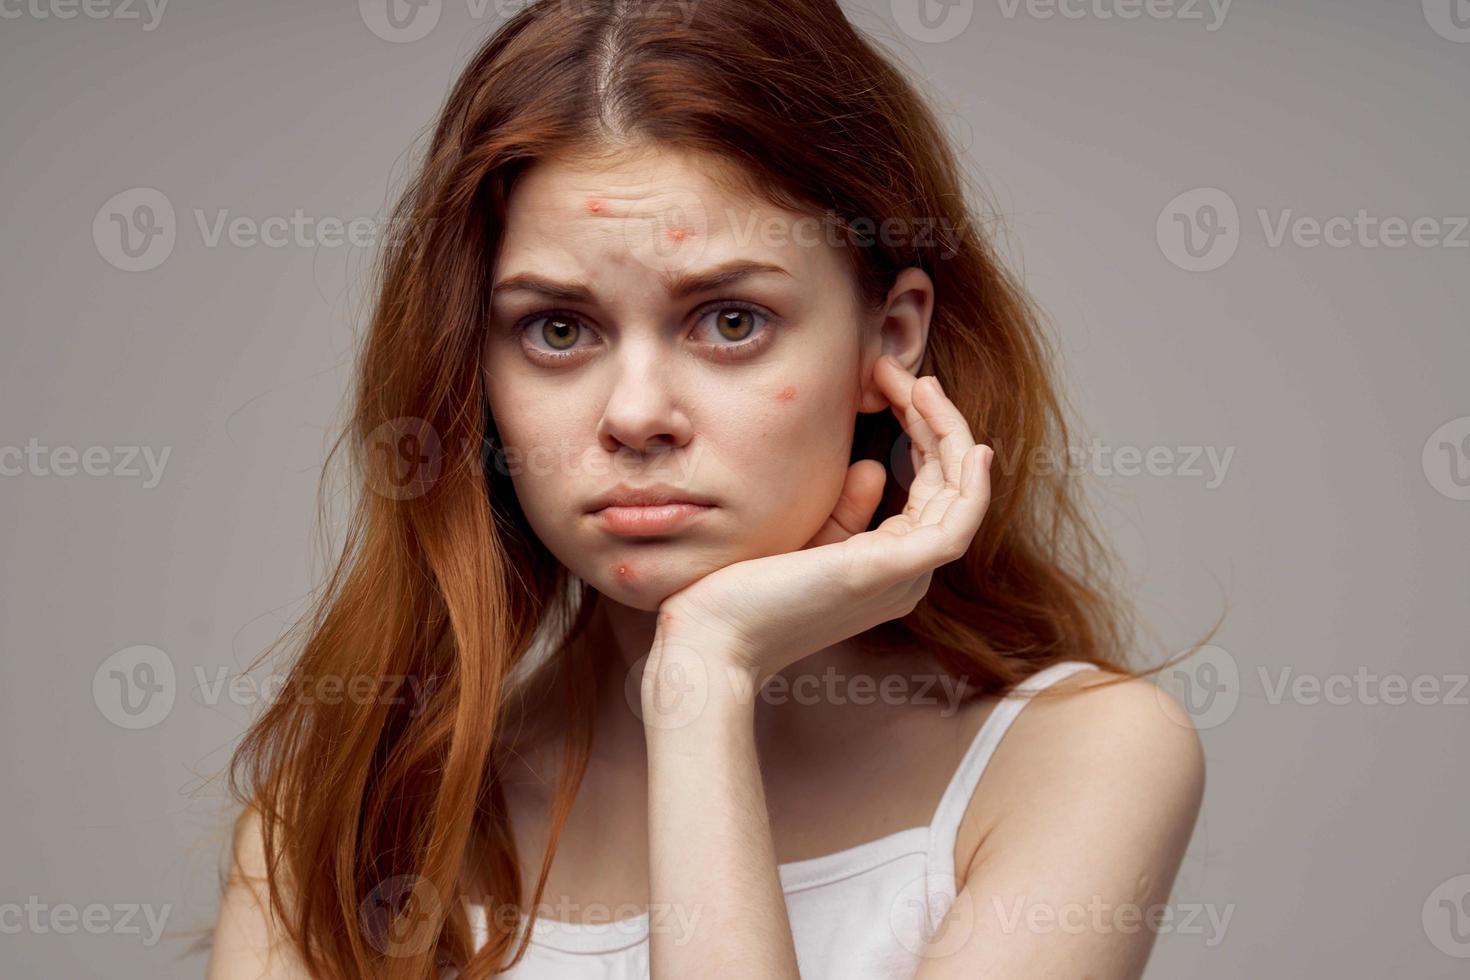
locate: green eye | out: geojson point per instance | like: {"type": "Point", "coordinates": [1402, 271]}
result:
{"type": "Point", "coordinates": [560, 332]}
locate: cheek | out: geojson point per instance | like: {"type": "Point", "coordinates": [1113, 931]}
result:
{"type": "Point", "coordinates": [803, 427]}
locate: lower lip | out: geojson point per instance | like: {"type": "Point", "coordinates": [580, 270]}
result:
{"type": "Point", "coordinates": [652, 519]}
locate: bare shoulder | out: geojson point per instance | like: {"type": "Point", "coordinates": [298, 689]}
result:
{"type": "Point", "coordinates": [1101, 757]}
{"type": "Point", "coordinates": [249, 938]}
{"type": "Point", "coordinates": [1114, 726]}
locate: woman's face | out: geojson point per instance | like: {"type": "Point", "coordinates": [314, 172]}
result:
{"type": "Point", "coordinates": [610, 366]}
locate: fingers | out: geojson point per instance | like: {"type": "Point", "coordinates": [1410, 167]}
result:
{"type": "Point", "coordinates": [954, 440]}
{"type": "Point", "coordinates": [945, 507]}
{"type": "Point", "coordinates": [962, 518]}
{"type": "Point", "coordinates": [933, 422]}
{"type": "Point", "coordinates": [898, 387]}
{"type": "Point", "coordinates": [955, 520]}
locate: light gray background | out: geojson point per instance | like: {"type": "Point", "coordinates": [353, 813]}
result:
{"type": "Point", "coordinates": [1330, 831]}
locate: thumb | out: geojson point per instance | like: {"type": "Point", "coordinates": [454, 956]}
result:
{"type": "Point", "coordinates": [861, 494]}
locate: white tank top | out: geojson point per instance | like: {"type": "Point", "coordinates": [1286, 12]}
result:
{"type": "Point", "coordinates": [863, 913]}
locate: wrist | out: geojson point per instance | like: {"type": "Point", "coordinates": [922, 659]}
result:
{"type": "Point", "coordinates": [689, 683]}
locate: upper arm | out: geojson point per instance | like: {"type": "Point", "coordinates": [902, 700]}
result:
{"type": "Point", "coordinates": [1092, 800]}
{"type": "Point", "coordinates": [249, 940]}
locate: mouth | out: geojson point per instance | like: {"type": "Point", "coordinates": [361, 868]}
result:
{"type": "Point", "coordinates": [646, 519]}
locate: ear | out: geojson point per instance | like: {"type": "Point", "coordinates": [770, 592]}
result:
{"type": "Point", "coordinates": [900, 328]}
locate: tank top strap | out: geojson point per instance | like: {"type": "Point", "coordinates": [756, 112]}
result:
{"type": "Point", "coordinates": [944, 828]}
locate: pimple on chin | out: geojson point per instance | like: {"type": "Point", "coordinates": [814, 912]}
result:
{"type": "Point", "coordinates": [786, 394]}
{"type": "Point", "coordinates": [624, 572]}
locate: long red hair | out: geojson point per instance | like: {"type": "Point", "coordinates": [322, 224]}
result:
{"type": "Point", "coordinates": [370, 805]}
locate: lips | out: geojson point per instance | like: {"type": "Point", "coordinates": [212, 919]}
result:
{"type": "Point", "coordinates": [645, 519]}
{"type": "Point", "coordinates": [651, 496]}
{"type": "Point", "coordinates": [638, 511]}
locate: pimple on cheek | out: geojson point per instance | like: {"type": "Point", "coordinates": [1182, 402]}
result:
{"type": "Point", "coordinates": [786, 394]}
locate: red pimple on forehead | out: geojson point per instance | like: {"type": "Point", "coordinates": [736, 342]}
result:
{"type": "Point", "coordinates": [595, 206]}
{"type": "Point", "coordinates": [786, 394]}
{"type": "Point", "coordinates": [679, 234]}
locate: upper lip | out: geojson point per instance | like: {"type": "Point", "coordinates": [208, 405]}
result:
{"type": "Point", "coordinates": [650, 496]}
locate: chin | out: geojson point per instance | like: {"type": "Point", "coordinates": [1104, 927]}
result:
{"type": "Point", "coordinates": [645, 595]}
{"type": "Point", "coordinates": [643, 581]}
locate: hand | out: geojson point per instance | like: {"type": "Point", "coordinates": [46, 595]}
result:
{"type": "Point", "coordinates": [764, 614]}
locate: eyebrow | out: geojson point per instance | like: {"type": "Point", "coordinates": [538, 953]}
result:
{"type": "Point", "coordinates": [677, 285]}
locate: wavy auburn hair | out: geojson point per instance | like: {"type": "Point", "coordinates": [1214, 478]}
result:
{"type": "Point", "coordinates": [372, 807]}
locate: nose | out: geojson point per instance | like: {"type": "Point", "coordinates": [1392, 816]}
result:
{"type": "Point", "coordinates": [643, 411]}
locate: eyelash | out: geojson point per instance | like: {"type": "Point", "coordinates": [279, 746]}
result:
{"type": "Point", "coordinates": [724, 352]}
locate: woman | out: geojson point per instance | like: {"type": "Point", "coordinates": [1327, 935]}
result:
{"type": "Point", "coordinates": [673, 291]}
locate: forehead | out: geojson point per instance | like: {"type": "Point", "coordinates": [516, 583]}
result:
{"type": "Point", "coordinates": [651, 211]}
